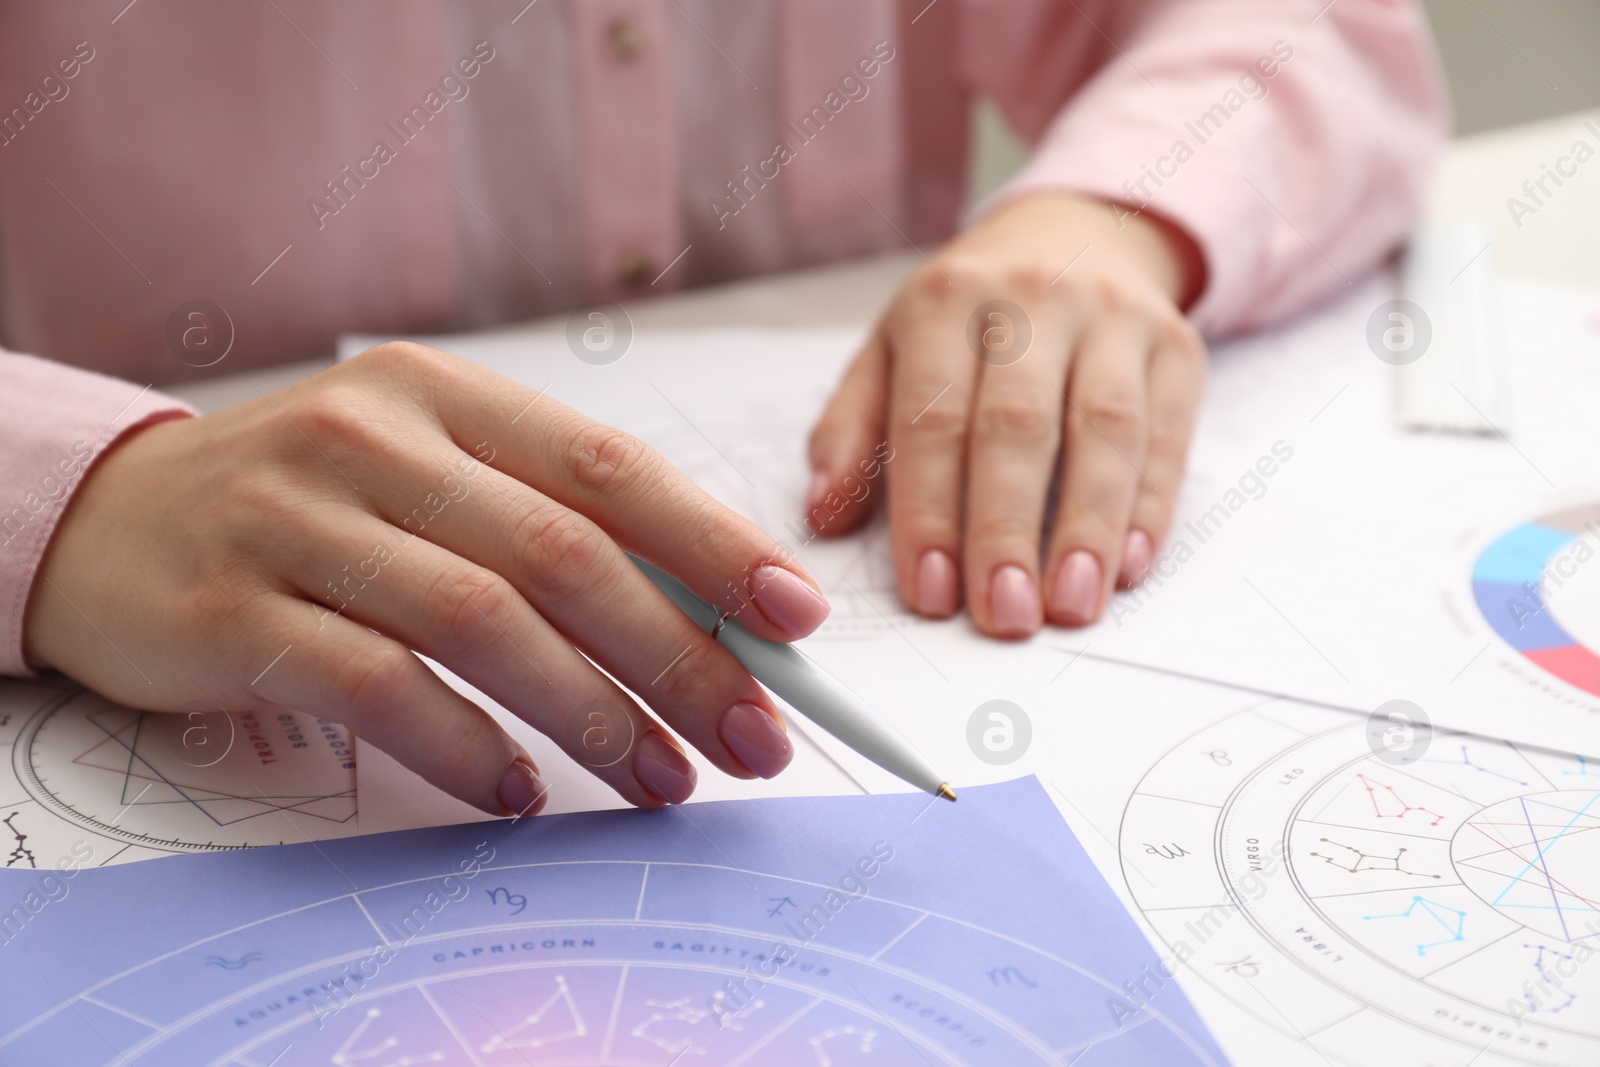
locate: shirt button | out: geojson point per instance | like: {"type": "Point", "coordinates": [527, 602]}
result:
{"type": "Point", "coordinates": [635, 269]}
{"type": "Point", "coordinates": [626, 39]}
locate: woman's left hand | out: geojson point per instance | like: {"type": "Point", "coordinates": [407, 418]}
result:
{"type": "Point", "coordinates": [1047, 337]}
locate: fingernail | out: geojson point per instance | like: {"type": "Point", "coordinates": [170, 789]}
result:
{"type": "Point", "coordinates": [521, 791]}
{"type": "Point", "coordinates": [936, 584]}
{"type": "Point", "coordinates": [1077, 588]}
{"type": "Point", "coordinates": [663, 770]}
{"type": "Point", "coordinates": [787, 601]}
{"type": "Point", "coordinates": [1135, 559]}
{"type": "Point", "coordinates": [756, 738]}
{"type": "Point", "coordinates": [1013, 600]}
{"type": "Point", "coordinates": [816, 491]}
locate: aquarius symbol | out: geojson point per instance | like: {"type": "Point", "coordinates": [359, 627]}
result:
{"type": "Point", "coordinates": [234, 965]}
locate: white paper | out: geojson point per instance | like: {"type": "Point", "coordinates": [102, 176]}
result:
{"type": "Point", "coordinates": [86, 782]}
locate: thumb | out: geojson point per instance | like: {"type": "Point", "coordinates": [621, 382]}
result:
{"type": "Point", "coordinates": [849, 445]}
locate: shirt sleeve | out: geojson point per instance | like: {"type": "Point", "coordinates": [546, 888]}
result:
{"type": "Point", "coordinates": [1294, 142]}
{"type": "Point", "coordinates": [54, 422]}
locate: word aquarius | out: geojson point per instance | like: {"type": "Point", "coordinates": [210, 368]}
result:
{"type": "Point", "coordinates": [343, 189]}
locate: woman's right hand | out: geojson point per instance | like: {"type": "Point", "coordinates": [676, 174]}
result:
{"type": "Point", "coordinates": [294, 552]}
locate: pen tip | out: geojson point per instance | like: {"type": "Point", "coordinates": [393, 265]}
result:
{"type": "Point", "coordinates": [946, 792]}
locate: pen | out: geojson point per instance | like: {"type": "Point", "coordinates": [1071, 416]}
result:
{"type": "Point", "coordinates": [809, 689]}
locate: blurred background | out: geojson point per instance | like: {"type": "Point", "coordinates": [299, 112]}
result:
{"type": "Point", "coordinates": [1507, 62]}
{"type": "Point", "coordinates": [1524, 75]}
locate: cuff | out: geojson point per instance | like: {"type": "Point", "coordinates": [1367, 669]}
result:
{"type": "Point", "coordinates": [54, 422]}
{"type": "Point", "coordinates": [1091, 157]}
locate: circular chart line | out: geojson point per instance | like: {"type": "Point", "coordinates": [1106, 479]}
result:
{"type": "Point", "coordinates": [283, 1028]}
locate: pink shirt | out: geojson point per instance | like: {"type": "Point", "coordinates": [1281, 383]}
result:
{"type": "Point", "coordinates": [315, 168]}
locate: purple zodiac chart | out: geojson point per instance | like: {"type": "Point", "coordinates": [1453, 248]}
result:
{"type": "Point", "coordinates": [1416, 900]}
{"type": "Point", "coordinates": [829, 932]}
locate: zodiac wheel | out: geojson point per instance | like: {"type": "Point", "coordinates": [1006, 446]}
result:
{"type": "Point", "coordinates": [141, 783]}
{"type": "Point", "coordinates": [1373, 909]}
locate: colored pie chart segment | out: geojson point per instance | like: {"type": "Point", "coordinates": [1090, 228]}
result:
{"type": "Point", "coordinates": [1515, 576]}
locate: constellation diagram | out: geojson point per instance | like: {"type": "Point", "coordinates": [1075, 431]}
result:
{"type": "Point", "coordinates": [1466, 761]}
{"type": "Point", "coordinates": [513, 1036]}
{"type": "Point", "coordinates": [858, 1038]}
{"type": "Point", "coordinates": [1432, 913]}
{"type": "Point", "coordinates": [376, 1054]}
{"type": "Point", "coordinates": [21, 852]}
{"type": "Point", "coordinates": [1387, 802]}
{"type": "Point", "coordinates": [1436, 912]}
{"type": "Point", "coordinates": [1552, 967]}
{"type": "Point", "coordinates": [1355, 861]}
{"type": "Point", "coordinates": [96, 783]}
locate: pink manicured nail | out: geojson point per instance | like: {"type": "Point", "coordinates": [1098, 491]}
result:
{"type": "Point", "coordinates": [816, 491]}
{"type": "Point", "coordinates": [663, 770]}
{"type": "Point", "coordinates": [1135, 559]}
{"type": "Point", "coordinates": [1013, 601]}
{"type": "Point", "coordinates": [787, 601]}
{"type": "Point", "coordinates": [521, 791]}
{"type": "Point", "coordinates": [1077, 588]}
{"type": "Point", "coordinates": [937, 587]}
{"type": "Point", "coordinates": [756, 738]}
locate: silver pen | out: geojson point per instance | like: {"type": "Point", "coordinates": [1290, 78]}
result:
{"type": "Point", "coordinates": [809, 689]}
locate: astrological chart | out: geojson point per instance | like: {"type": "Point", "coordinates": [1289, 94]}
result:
{"type": "Point", "coordinates": [1434, 902]}
{"type": "Point", "coordinates": [88, 782]}
{"type": "Point", "coordinates": [1529, 584]}
{"type": "Point", "coordinates": [820, 932]}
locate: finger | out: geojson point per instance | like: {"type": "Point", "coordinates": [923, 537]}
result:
{"type": "Point", "coordinates": [1176, 384]}
{"type": "Point", "coordinates": [633, 494]}
{"type": "Point", "coordinates": [474, 622]}
{"type": "Point", "coordinates": [1102, 467]}
{"type": "Point", "coordinates": [341, 671]}
{"type": "Point", "coordinates": [848, 446]}
{"type": "Point", "coordinates": [566, 583]}
{"type": "Point", "coordinates": [933, 375]}
{"type": "Point", "coordinates": [1016, 439]}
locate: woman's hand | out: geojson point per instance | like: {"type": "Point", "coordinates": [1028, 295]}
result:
{"type": "Point", "coordinates": [1046, 340]}
{"type": "Point", "coordinates": [293, 551]}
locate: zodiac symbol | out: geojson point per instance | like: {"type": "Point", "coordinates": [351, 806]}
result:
{"type": "Point", "coordinates": [516, 900]}
{"type": "Point", "coordinates": [233, 965]}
